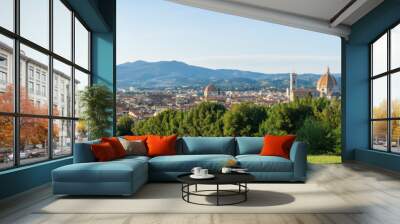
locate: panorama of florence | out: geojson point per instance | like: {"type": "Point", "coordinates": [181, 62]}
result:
{"type": "Point", "coordinates": [140, 101]}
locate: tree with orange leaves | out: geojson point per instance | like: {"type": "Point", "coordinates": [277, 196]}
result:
{"type": "Point", "coordinates": [33, 130]}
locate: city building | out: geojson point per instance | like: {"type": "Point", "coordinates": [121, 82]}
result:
{"type": "Point", "coordinates": [293, 92]}
{"type": "Point", "coordinates": [326, 87]}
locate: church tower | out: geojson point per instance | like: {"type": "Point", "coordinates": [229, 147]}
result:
{"type": "Point", "coordinates": [293, 81]}
{"type": "Point", "coordinates": [292, 86]}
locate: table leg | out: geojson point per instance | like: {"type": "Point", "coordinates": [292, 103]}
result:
{"type": "Point", "coordinates": [217, 194]}
{"type": "Point", "coordinates": [245, 193]}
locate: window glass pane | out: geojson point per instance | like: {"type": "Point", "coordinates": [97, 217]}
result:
{"type": "Point", "coordinates": [379, 55]}
{"type": "Point", "coordinates": [7, 14]}
{"type": "Point", "coordinates": [62, 138]}
{"type": "Point", "coordinates": [379, 135]}
{"type": "Point", "coordinates": [81, 82]}
{"type": "Point", "coordinates": [62, 29]}
{"type": "Point", "coordinates": [81, 132]}
{"type": "Point", "coordinates": [33, 139]}
{"type": "Point", "coordinates": [395, 94]}
{"type": "Point", "coordinates": [62, 89]}
{"type": "Point", "coordinates": [6, 74]}
{"type": "Point", "coordinates": [35, 21]}
{"type": "Point", "coordinates": [6, 142]}
{"type": "Point", "coordinates": [379, 97]}
{"type": "Point", "coordinates": [395, 136]}
{"type": "Point", "coordinates": [81, 45]}
{"type": "Point", "coordinates": [34, 97]}
{"type": "Point", "coordinates": [395, 47]}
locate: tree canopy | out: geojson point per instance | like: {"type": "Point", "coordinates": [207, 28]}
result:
{"type": "Point", "coordinates": [315, 121]}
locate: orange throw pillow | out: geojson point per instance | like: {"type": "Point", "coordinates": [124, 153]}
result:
{"type": "Point", "coordinates": [103, 152]}
{"type": "Point", "coordinates": [277, 145]}
{"type": "Point", "coordinates": [116, 145]}
{"type": "Point", "coordinates": [161, 145]}
{"type": "Point", "coordinates": [136, 138]}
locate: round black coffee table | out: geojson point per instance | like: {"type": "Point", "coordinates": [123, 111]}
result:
{"type": "Point", "coordinates": [238, 179]}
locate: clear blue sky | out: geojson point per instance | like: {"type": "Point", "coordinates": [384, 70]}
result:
{"type": "Point", "coordinates": [160, 30]}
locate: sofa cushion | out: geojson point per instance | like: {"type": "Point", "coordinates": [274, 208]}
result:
{"type": "Point", "coordinates": [103, 152]}
{"type": "Point", "coordinates": [112, 171]}
{"type": "Point", "coordinates": [257, 163]}
{"type": "Point", "coordinates": [161, 145]}
{"type": "Point", "coordinates": [185, 163]}
{"type": "Point", "coordinates": [136, 147]}
{"type": "Point", "coordinates": [83, 152]}
{"type": "Point", "coordinates": [249, 145]}
{"type": "Point", "coordinates": [116, 145]}
{"type": "Point", "coordinates": [208, 145]}
{"type": "Point", "coordinates": [277, 145]}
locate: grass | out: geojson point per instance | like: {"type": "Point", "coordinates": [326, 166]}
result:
{"type": "Point", "coordinates": [324, 159]}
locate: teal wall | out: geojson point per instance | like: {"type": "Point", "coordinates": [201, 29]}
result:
{"type": "Point", "coordinates": [355, 97]}
{"type": "Point", "coordinates": [100, 17]}
{"type": "Point", "coordinates": [24, 178]}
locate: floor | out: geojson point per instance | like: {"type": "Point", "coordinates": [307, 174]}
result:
{"type": "Point", "coordinates": [377, 188]}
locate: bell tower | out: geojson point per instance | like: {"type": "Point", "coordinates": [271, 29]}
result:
{"type": "Point", "coordinates": [293, 81]}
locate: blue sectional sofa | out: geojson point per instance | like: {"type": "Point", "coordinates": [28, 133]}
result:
{"type": "Point", "coordinates": [125, 176]}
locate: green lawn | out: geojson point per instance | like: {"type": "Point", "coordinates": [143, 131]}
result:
{"type": "Point", "coordinates": [324, 159]}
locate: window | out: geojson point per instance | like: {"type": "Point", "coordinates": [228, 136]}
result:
{"type": "Point", "coordinates": [6, 142]}
{"type": "Point", "coordinates": [33, 147]}
{"type": "Point", "coordinates": [37, 89]}
{"type": "Point", "coordinates": [81, 45]}
{"type": "Point", "coordinates": [7, 14]}
{"type": "Point", "coordinates": [3, 61]}
{"type": "Point", "coordinates": [35, 21]}
{"type": "Point", "coordinates": [37, 75]}
{"type": "Point", "coordinates": [385, 95]}
{"type": "Point", "coordinates": [45, 131]}
{"type": "Point", "coordinates": [81, 82]}
{"type": "Point", "coordinates": [30, 88]}
{"type": "Point", "coordinates": [62, 137]}
{"type": "Point", "coordinates": [31, 75]}
{"type": "Point", "coordinates": [44, 91]}
{"type": "Point", "coordinates": [3, 78]}
{"type": "Point", "coordinates": [6, 73]}
{"type": "Point", "coordinates": [62, 30]}
{"type": "Point", "coordinates": [61, 75]}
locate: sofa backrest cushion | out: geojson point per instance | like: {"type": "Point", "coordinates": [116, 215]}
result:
{"type": "Point", "coordinates": [208, 145]}
{"type": "Point", "coordinates": [83, 153]}
{"type": "Point", "coordinates": [249, 145]}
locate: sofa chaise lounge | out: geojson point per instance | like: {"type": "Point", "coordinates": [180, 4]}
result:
{"type": "Point", "coordinates": [125, 176]}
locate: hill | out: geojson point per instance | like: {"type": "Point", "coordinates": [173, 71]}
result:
{"type": "Point", "coordinates": [172, 74]}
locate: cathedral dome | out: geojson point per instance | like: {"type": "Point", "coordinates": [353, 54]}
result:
{"type": "Point", "coordinates": [327, 83]}
{"type": "Point", "coordinates": [210, 90]}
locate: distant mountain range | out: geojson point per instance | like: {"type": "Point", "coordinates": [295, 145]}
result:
{"type": "Point", "coordinates": [172, 74]}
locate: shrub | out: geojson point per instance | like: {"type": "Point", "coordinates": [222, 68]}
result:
{"type": "Point", "coordinates": [97, 103]}
{"type": "Point", "coordinates": [124, 125]}
{"type": "Point", "coordinates": [318, 136]}
{"type": "Point", "coordinates": [244, 119]}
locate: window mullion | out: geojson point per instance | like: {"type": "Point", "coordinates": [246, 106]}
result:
{"type": "Point", "coordinates": [73, 81]}
{"type": "Point", "coordinates": [16, 70]}
{"type": "Point", "coordinates": [389, 101]}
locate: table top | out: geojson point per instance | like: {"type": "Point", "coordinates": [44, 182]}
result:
{"type": "Point", "coordinates": [220, 178]}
